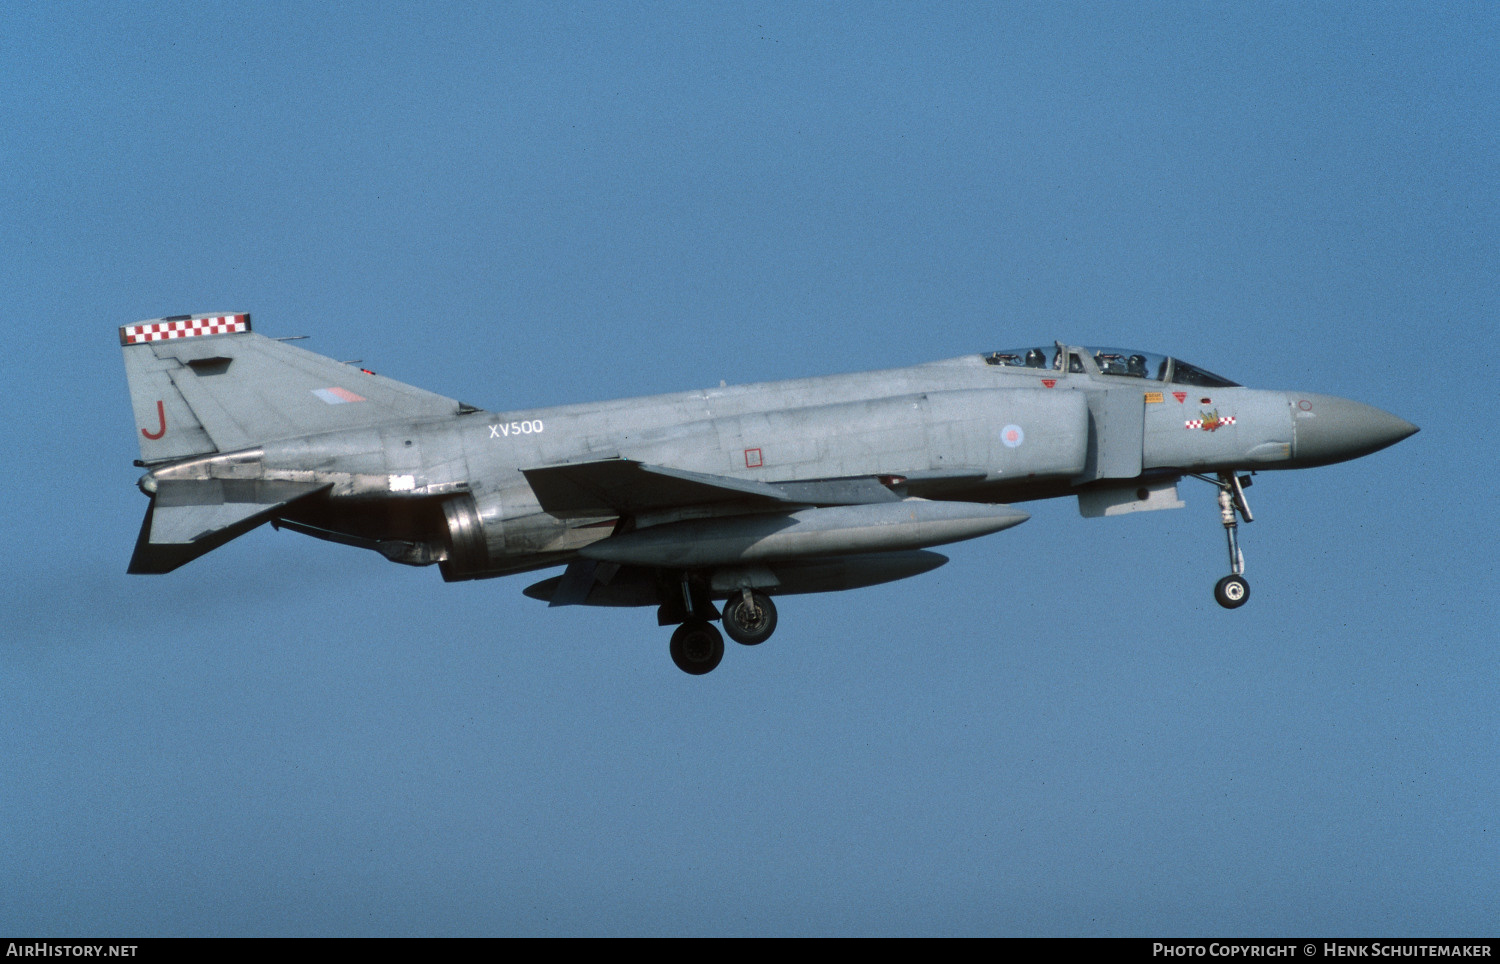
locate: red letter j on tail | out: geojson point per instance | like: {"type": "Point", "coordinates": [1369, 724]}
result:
{"type": "Point", "coordinates": [161, 416]}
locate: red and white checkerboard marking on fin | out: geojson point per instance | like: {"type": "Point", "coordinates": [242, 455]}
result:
{"type": "Point", "coordinates": [183, 328]}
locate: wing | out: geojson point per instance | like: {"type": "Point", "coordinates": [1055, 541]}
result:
{"type": "Point", "coordinates": [625, 486]}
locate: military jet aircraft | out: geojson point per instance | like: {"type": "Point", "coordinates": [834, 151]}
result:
{"type": "Point", "coordinates": [704, 504]}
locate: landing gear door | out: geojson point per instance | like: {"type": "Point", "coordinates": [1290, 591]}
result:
{"type": "Point", "coordinates": [1117, 429]}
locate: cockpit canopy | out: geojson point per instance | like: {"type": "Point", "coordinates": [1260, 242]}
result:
{"type": "Point", "coordinates": [1126, 362]}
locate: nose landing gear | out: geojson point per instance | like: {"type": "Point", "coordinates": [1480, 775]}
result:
{"type": "Point", "coordinates": [1233, 591]}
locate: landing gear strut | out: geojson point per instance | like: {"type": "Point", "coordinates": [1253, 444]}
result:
{"type": "Point", "coordinates": [1233, 591]}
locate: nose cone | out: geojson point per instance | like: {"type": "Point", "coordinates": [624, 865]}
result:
{"type": "Point", "coordinates": [1328, 429]}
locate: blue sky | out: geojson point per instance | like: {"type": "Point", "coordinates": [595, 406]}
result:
{"type": "Point", "coordinates": [531, 204]}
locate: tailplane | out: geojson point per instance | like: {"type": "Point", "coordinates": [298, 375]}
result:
{"type": "Point", "coordinates": [189, 518]}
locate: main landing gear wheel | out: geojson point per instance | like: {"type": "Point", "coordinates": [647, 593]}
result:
{"type": "Point", "coordinates": [1232, 591]}
{"type": "Point", "coordinates": [749, 617]}
{"type": "Point", "coordinates": [697, 647]}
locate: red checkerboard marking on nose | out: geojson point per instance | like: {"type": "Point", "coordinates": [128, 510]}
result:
{"type": "Point", "coordinates": [1199, 423]}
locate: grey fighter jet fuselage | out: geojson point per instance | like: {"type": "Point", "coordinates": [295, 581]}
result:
{"type": "Point", "coordinates": [678, 501]}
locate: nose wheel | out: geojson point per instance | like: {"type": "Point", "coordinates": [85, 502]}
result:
{"type": "Point", "coordinates": [1233, 591]}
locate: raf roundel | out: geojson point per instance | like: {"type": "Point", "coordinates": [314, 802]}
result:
{"type": "Point", "coordinates": [1012, 436]}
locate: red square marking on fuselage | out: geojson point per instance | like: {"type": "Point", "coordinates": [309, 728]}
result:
{"type": "Point", "coordinates": [753, 459]}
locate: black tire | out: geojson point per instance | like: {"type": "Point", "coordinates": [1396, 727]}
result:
{"type": "Point", "coordinates": [697, 647]}
{"type": "Point", "coordinates": [1232, 592]}
{"type": "Point", "coordinates": [750, 625]}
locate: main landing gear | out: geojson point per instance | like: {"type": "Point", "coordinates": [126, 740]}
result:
{"type": "Point", "coordinates": [697, 647]}
{"type": "Point", "coordinates": [1233, 591]}
{"type": "Point", "coordinates": [749, 617]}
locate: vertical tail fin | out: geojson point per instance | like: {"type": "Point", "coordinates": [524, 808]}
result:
{"type": "Point", "coordinates": [201, 384]}
{"type": "Point", "coordinates": [154, 395]}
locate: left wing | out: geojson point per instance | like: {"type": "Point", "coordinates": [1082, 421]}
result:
{"type": "Point", "coordinates": [625, 486]}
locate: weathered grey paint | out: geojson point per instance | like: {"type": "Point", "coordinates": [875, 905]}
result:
{"type": "Point", "coordinates": [337, 452]}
